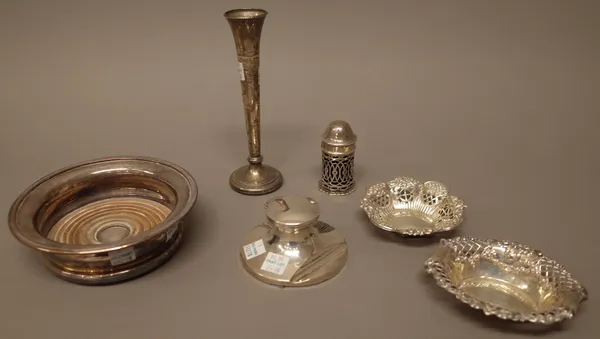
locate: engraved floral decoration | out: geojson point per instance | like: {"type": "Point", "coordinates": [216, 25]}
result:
{"type": "Point", "coordinates": [511, 259]}
{"type": "Point", "coordinates": [404, 196]}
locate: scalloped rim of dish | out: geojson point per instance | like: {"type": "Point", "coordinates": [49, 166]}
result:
{"type": "Point", "coordinates": [546, 318]}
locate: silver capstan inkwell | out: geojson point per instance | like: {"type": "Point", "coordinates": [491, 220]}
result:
{"type": "Point", "coordinates": [293, 247]}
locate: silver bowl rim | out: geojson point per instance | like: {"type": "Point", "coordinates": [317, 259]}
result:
{"type": "Point", "coordinates": [43, 244]}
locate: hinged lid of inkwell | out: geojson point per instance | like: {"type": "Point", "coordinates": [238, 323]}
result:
{"type": "Point", "coordinates": [292, 213]}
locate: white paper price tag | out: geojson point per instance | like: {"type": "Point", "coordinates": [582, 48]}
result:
{"type": "Point", "coordinates": [122, 256]}
{"type": "Point", "coordinates": [241, 69]}
{"type": "Point", "coordinates": [254, 249]}
{"type": "Point", "coordinates": [275, 263]}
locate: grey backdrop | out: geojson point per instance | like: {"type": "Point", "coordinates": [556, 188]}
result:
{"type": "Point", "coordinates": [497, 99]}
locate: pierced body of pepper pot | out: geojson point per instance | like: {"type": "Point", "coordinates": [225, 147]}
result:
{"type": "Point", "coordinates": [338, 146]}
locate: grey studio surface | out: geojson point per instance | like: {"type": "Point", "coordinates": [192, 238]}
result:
{"type": "Point", "coordinates": [498, 100]}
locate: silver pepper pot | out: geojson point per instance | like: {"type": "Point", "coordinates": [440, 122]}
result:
{"type": "Point", "coordinates": [293, 248]}
{"type": "Point", "coordinates": [338, 146]}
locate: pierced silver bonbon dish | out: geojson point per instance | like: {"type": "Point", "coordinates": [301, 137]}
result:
{"type": "Point", "coordinates": [408, 207]}
{"type": "Point", "coordinates": [506, 279]}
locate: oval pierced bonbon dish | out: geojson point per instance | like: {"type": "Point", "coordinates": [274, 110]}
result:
{"type": "Point", "coordinates": [408, 207]}
{"type": "Point", "coordinates": [506, 279]}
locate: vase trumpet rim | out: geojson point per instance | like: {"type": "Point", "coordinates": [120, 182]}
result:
{"type": "Point", "coordinates": [245, 13]}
